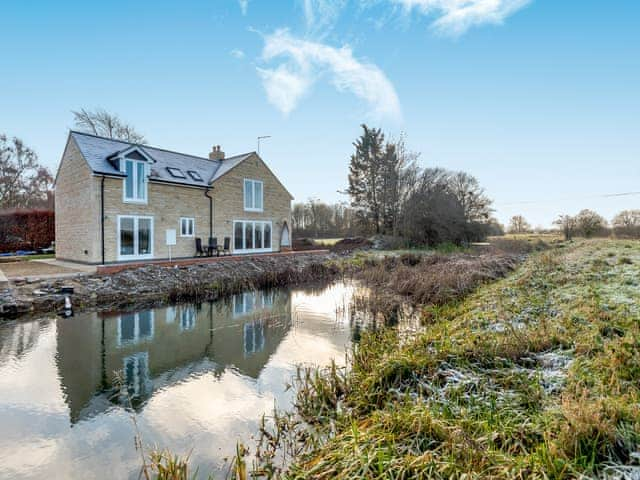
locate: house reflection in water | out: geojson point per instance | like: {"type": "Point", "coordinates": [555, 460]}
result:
{"type": "Point", "coordinates": [151, 349]}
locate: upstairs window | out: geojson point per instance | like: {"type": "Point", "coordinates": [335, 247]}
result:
{"type": "Point", "coordinates": [135, 184]}
{"type": "Point", "coordinates": [253, 195]}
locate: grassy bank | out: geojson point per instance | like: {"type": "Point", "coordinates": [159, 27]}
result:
{"type": "Point", "coordinates": [533, 376]}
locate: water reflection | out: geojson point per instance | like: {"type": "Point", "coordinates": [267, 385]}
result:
{"type": "Point", "coordinates": [197, 376]}
{"type": "Point", "coordinates": [147, 350]}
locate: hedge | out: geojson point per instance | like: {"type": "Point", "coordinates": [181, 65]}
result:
{"type": "Point", "coordinates": [26, 230]}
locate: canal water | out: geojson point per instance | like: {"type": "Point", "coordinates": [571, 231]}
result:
{"type": "Point", "coordinates": [197, 378]}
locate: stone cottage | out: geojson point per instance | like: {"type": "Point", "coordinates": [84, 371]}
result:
{"type": "Point", "coordinates": [117, 201]}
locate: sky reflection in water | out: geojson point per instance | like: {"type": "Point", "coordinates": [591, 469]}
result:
{"type": "Point", "coordinates": [199, 378]}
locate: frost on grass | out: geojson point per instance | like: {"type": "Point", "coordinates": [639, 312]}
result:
{"type": "Point", "coordinates": [489, 387]}
{"type": "Point", "coordinates": [622, 472]}
{"type": "Point", "coordinates": [554, 367]}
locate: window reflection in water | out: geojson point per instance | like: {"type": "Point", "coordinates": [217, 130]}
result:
{"type": "Point", "coordinates": [253, 337]}
{"type": "Point", "coordinates": [135, 327]}
{"type": "Point", "coordinates": [187, 318]}
{"type": "Point", "coordinates": [248, 302]}
{"type": "Point", "coordinates": [170, 315]}
{"type": "Point", "coordinates": [136, 377]}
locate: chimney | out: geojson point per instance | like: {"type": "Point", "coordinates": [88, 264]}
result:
{"type": "Point", "coordinates": [216, 153]}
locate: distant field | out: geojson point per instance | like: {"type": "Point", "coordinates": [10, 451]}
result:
{"type": "Point", "coordinates": [532, 237]}
{"type": "Point", "coordinates": [326, 242]}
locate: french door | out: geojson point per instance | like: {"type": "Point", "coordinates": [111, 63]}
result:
{"type": "Point", "coordinates": [135, 237]}
{"type": "Point", "coordinates": [251, 236]}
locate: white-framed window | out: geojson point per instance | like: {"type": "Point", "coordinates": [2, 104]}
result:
{"type": "Point", "coordinates": [253, 193]}
{"type": "Point", "coordinates": [251, 236]}
{"type": "Point", "coordinates": [187, 227]}
{"type": "Point", "coordinates": [135, 237]}
{"type": "Point", "coordinates": [135, 183]}
{"type": "Point", "coordinates": [135, 327]}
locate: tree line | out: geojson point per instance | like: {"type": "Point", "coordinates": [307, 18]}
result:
{"type": "Point", "coordinates": [391, 195]}
{"type": "Point", "coordinates": [587, 223]}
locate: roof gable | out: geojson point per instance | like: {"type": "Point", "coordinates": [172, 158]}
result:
{"type": "Point", "coordinates": [134, 152]}
{"type": "Point", "coordinates": [230, 163]}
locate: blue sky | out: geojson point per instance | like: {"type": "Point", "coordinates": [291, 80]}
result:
{"type": "Point", "coordinates": [539, 99]}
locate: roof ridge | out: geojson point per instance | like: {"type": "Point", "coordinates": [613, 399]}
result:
{"type": "Point", "coordinates": [157, 148]}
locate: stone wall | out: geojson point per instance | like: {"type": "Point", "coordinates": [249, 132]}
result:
{"type": "Point", "coordinates": [77, 207]}
{"type": "Point", "coordinates": [166, 204]}
{"type": "Point", "coordinates": [228, 195]}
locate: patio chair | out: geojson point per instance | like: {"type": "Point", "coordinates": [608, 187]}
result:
{"type": "Point", "coordinates": [199, 250]}
{"type": "Point", "coordinates": [226, 249]}
{"type": "Point", "coordinates": [213, 246]}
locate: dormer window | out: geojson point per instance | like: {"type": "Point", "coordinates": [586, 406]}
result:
{"type": "Point", "coordinates": [135, 184]}
{"type": "Point", "coordinates": [135, 164]}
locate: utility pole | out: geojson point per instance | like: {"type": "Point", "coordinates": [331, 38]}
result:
{"type": "Point", "coordinates": [262, 138]}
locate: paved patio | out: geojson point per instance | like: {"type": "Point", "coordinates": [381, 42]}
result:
{"type": "Point", "coordinates": [43, 269]}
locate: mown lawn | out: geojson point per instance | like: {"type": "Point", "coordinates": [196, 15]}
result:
{"type": "Point", "coordinates": [533, 376]}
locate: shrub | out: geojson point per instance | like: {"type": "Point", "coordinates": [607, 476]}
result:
{"type": "Point", "coordinates": [26, 229]}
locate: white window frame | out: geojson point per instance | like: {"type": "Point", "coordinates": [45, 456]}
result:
{"type": "Point", "coordinates": [252, 250]}
{"type": "Point", "coordinates": [253, 183]}
{"type": "Point", "coordinates": [136, 329]}
{"type": "Point", "coordinates": [137, 198]}
{"type": "Point", "coordinates": [136, 219]}
{"type": "Point", "coordinates": [193, 226]}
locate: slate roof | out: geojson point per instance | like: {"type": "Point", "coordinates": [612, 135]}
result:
{"type": "Point", "coordinates": [97, 150]}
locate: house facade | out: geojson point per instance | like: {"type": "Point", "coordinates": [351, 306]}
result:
{"type": "Point", "coordinates": [116, 202]}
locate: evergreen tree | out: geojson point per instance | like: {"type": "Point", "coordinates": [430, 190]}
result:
{"type": "Point", "coordinates": [366, 176]}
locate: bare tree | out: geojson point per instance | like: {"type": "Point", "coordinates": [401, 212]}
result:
{"type": "Point", "coordinates": [318, 219]}
{"type": "Point", "coordinates": [105, 124]}
{"type": "Point", "coordinates": [568, 225]}
{"type": "Point", "coordinates": [518, 224]}
{"type": "Point", "coordinates": [24, 183]}
{"type": "Point", "coordinates": [590, 223]}
{"type": "Point", "coordinates": [627, 223]}
{"type": "Point", "coordinates": [475, 203]}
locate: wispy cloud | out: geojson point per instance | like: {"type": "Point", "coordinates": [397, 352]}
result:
{"type": "Point", "coordinates": [303, 61]}
{"type": "Point", "coordinates": [244, 6]}
{"type": "Point", "coordinates": [321, 15]}
{"type": "Point", "coordinates": [455, 17]}
{"type": "Point", "coordinates": [237, 53]}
